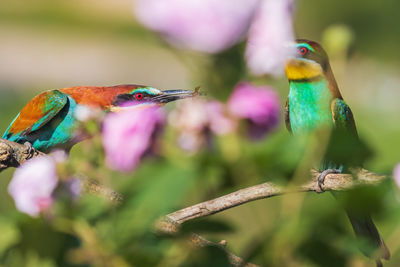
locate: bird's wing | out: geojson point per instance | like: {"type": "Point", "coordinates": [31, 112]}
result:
{"type": "Point", "coordinates": [287, 116]}
{"type": "Point", "coordinates": [342, 116]}
{"type": "Point", "coordinates": [39, 111]}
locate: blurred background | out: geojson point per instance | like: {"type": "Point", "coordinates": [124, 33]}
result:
{"type": "Point", "coordinates": [48, 44]}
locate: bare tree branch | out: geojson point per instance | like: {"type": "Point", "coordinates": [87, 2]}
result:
{"type": "Point", "coordinates": [13, 154]}
{"type": "Point", "coordinates": [170, 224]}
{"type": "Point", "coordinates": [336, 182]}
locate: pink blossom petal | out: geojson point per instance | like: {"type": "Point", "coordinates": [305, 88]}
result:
{"type": "Point", "coordinates": [219, 122]}
{"type": "Point", "coordinates": [258, 104]}
{"type": "Point", "coordinates": [269, 35]}
{"type": "Point", "coordinates": [189, 115]}
{"type": "Point", "coordinates": [194, 118]}
{"type": "Point", "coordinates": [128, 135]}
{"type": "Point", "coordinates": [33, 184]}
{"type": "Point", "coordinates": [207, 26]}
{"type": "Point", "coordinates": [191, 119]}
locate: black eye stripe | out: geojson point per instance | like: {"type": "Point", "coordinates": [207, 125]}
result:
{"type": "Point", "coordinates": [124, 98]}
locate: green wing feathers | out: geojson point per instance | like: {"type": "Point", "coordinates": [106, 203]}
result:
{"type": "Point", "coordinates": [342, 116]}
{"type": "Point", "coordinates": [287, 117]}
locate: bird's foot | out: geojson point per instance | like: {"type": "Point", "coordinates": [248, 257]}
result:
{"type": "Point", "coordinates": [322, 176]}
{"type": "Point", "coordinates": [29, 149]}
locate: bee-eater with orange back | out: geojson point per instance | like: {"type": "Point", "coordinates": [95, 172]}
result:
{"type": "Point", "coordinates": [49, 121]}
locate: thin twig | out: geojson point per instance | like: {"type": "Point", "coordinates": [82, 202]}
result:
{"type": "Point", "coordinates": [94, 187]}
{"type": "Point", "coordinates": [233, 259]}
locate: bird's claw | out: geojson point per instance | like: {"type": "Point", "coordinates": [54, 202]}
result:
{"type": "Point", "coordinates": [29, 149]}
{"type": "Point", "coordinates": [322, 176]}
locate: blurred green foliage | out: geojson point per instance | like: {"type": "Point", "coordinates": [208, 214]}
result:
{"type": "Point", "coordinates": [293, 230]}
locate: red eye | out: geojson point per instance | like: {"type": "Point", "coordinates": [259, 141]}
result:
{"type": "Point", "coordinates": [303, 51]}
{"type": "Point", "coordinates": [139, 96]}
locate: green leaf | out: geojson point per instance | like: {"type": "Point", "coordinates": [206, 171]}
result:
{"type": "Point", "coordinates": [10, 235]}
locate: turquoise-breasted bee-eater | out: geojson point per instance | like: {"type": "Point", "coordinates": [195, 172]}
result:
{"type": "Point", "coordinates": [315, 102]}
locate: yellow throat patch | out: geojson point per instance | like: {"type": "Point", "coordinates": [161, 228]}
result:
{"type": "Point", "coordinates": [297, 69]}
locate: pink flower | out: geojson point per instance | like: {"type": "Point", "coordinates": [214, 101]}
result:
{"type": "Point", "coordinates": [396, 174]}
{"type": "Point", "coordinates": [219, 122]}
{"type": "Point", "coordinates": [129, 134]}
{"type": "Point", "coordinates": [258, 104]}
{"type": "Point", "coordinates": [207, 26]}
{"type": "Point", "coordinates": [269, 35]}
{"type": "Point", "coordinates": [196, 118]}
{"type": "Point", "coordinates": [33, 184]}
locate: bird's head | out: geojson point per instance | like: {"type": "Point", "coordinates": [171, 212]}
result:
{"type": "Point", "coordinates": [145, 96]}
{"type": "Point", "coordinates": [309, 62]}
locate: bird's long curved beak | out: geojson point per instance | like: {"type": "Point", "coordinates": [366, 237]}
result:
{"type": "Point", "coordinates": [172, 95]}
{"type": "Point", "coordinates": [162, 98]}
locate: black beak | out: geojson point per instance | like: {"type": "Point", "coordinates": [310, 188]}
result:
{"type": "Point", "coordinates": [172, 95]}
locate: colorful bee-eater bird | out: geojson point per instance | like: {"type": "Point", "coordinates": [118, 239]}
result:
{"type": "Point", "coordinates": [314, 102]}
{"type": "Point", "coordinates": [49, 120]}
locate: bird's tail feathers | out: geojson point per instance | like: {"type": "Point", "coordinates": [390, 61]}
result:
{"type": "Point", "coordinates": [365, 229]}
